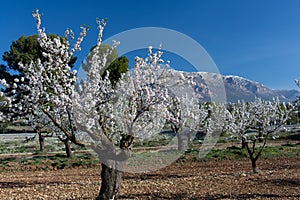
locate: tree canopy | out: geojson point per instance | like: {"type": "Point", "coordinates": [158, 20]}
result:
{"type": "Point", "coordinates": [24, 50]}
{"type": "Point", "coordinates": [115, 66]}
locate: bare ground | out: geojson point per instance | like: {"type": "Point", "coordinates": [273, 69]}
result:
{"type": "Point", "coordinates": [226, 179]}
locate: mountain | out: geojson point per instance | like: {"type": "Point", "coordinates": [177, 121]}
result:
{"type": "Point", "coordinates": [236, 88]}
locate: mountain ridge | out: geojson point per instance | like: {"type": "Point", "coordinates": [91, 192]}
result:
{"type": "Point", "coordinates": [237, 88]}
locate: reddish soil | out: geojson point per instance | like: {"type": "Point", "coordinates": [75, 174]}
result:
{"type": "Point", "coordinates": [226, 179]}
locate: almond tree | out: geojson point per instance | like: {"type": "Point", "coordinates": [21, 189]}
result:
{"type": "Point", "coordinates": [218, 118]}
{"type": "Point", "coordinates": [25, 50]}
{"type": "Point", "coordinates": [114, 117]}
{"type": "Point", "coordinates": [242, 120]}
{"type": "Point", "coordinates": [216, 123]}
{"type": "Point", "coordinates": [186, 116]}
{"type": "Point", "coordinates": [47, 85]}
{"type": "Point", "coordinates": [266, 117]}
{"type": "Point", "coordinates": [39, 122]}
{"type": "Point", "coordinates": [110, 118]}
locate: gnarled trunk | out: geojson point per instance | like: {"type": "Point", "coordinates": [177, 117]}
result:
{"type": "Point", "coordinates": [42, 142]}
{"type": "Point", "coordinates": [189, 142]}
{"type": "Point", "coordinates": [67, 144]}
{"type": "Point", "coordinates": [180, 142]}
{"type": "Point", "coordinates": [41, 138]}
{"type": "Point", "coordinates": [112, 164]}
{"type": "Point", "coordinates": [110, 183]}
{"type": "Point", "coordinates": [68, 148]}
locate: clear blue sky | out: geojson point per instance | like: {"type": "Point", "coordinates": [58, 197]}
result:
{"type": "Point", "coordinates": [255, 39]}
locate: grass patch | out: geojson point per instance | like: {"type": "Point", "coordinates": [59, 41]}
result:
{"type": "Point", "coordinates": [9, 147]}
{"type": "Point", "coordinates": [286, 150]}
{"type": "Point", "coordinates": [233, 152]}
{"type": "Point", "coordinates": [160, 140]}
{"type": "Point", "coordinates": [18, 146]}
{"type": "Point", "coordinates": [230, 153]}
{"type": "Point", "coordinates": [58, 161]}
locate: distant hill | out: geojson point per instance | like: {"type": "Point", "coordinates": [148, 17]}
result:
{"type": "Point", "coordinates": [238, 88]}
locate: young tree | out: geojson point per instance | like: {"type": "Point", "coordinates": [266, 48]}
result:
{"type": "Point", "coordinates": [266, 117]}
{"type": "Point", "coordinates": [242, 119]}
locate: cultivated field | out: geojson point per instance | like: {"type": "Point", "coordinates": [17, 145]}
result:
{"type": "Point", "coordinates": [224, 174]}
{"type": "Point", "coordinates": [225, 179]}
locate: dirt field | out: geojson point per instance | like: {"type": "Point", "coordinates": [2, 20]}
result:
{"type": "Point", "coordinates": [279, 179]}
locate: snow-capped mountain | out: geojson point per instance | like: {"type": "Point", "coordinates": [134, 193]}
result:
{"type": "Point", "coordinates": [237, 88]}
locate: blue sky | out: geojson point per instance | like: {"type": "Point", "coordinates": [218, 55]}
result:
{"type": "Point", "coordinates": [255, 39]}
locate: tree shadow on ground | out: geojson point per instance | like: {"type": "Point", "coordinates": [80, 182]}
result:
{"type": "Point", "coordinates": [20, 184]}
{"type": "Point", "coordinates": [249, 196]}
{"type": "Point", "coordinates": [179, 196]}
{"type": "Point", "coordinates": [156, 176]}
{"type": "Point", "coordinates": [283, 182]}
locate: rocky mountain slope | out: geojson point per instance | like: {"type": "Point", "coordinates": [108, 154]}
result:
{"type": "Point", "coordinates": [236, 88]}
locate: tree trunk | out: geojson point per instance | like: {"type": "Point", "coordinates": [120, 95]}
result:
{"type": "Point", "coordinates": [42, 142]}
{"type": "Point", "coordinates": [260, 136]}
{"type": "Point", "coordinates": [254, 167]}
{"type": "Point", "coordinates": [41, 139]}
{"type": "Point", "coordinates": [180, 142]}
{"type": "Point", "coordinates": [243, 143]}
{"type": "Point", "coordinates": [110, 183]}
{"type": "Point", "coordinates": [112, 164]}
{"type": "Point", "coordinates": [189, 142]}
{"type": "Point", "coordinates": [68, 148]}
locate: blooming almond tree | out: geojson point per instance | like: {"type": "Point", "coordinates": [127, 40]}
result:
{"type": "Point", "coordinates": [218, 118]}
{"type": "Point", "coordinates": [186, 115]}
{"type": "Point", "coordinates": [46, 86]}
{"type": "Point", "coordinates": [216, 123]}
{"type": "Point", "coordinates": [39, 123]}
{"type": "Point", "coordinates": [108, 118]}
{"type": "Point", "coordinates": [265, 117]}
{"type": "Point", "coordinates": [114, 117]}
